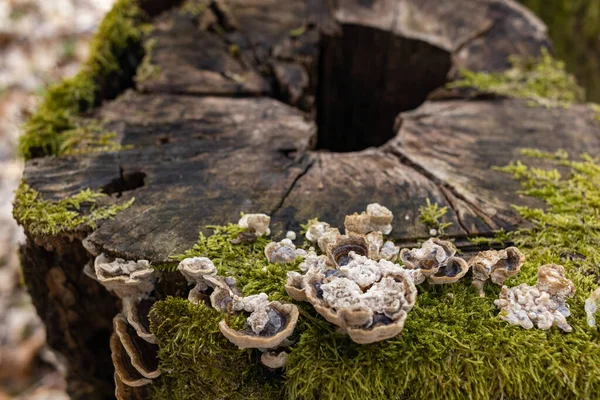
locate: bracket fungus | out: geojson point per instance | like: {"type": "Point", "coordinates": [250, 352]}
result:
{"type": "Point", "coordinates": [136, 312]}
{"type": "Point", "coordinates": [592, 304]}
{"type": "Point", "coordinates": [543, 305]}
{"type": "Point", "coordinates": [125, 278]}
{"type": "Point", "coordinates": [197, 270]}
{"type": "Point", "coordinates": [339, 250]}
{"type": "Point", "coordinates": [316, 230]}
{"type": "Point", "coordinates": [283, 252]}
{"type": "Point", "coordinates": [269, 323]}
{"type": "Point", "coordinates": [135, 359]}
{"type": "Point", "coordinates": [257, 224]}
{"type": "Point", "coordinates": [454, 269]}
{"type": "Point", "coordinates": [376, 218]}
{"type": "Point", "coordinates": [322, 234]}
{"type": "Point", "coordinates": [497, 265]}
{"type": "Point", "coordinates": [367, 299]}
{"type": "Point", "coordinates": [430, 257]}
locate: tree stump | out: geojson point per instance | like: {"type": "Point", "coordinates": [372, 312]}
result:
{"type": "Point", "coordinates": [296, 109]}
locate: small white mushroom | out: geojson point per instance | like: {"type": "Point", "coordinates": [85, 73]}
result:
{"type": "Point", "coordinates": [256, 223]}
{"type": "Point", "coordinates": [290, 235]}
{"type": "Point", "coordinates": [592, 304]}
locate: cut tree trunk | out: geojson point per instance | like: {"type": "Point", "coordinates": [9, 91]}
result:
{"type": "Point", "coordinates": [297, 109]}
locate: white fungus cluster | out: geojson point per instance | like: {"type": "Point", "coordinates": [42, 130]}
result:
{"type": "Point", "coordinates": [368, 285]}
{"type": "Point", "coordinates": [283, 252]}
{"type": "Point", "coordinates": [543, 305]}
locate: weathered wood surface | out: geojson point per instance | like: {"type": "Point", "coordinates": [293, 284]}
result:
{"type": "Point", "coordinates": [213, 136]}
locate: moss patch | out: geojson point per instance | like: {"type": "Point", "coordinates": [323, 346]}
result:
{"type": "Point", "coordinates": [432, 216]}
{"type": "Point", "coordinates": [454, 345]}
{"type": "Point", "coordinates": [200, 363]}
{"type": "Point", "coordinates": [246, 262]}
{"type": "Point", "coordinates": [41, 217]}
{"type": "Point", "coordinates": [147, 70]}
{"type": "Point", "coordinates": [544, 81]}
{"type": "Point", "coordinates": [51, 127]}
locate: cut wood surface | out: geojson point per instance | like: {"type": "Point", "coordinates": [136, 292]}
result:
{"type": "Point", "coordinates": [239, 110]}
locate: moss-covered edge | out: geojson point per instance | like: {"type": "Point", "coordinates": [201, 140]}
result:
{"type": "Point", "coordinates": [115, 52]}
{"type": "Point", "coordinates": [44, 218]}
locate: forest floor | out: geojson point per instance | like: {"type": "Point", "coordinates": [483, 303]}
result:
{"type": "Point", "coordinates": [41, 42]}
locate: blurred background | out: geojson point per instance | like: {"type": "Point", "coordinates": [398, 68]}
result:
{"type": "Point", "coordinates": [43, 41]}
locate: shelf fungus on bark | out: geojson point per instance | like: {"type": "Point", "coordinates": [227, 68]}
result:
{"type": "Point", "coordinates": [543, 305]}
{"type": "Point", "coordinates": [454, 269]}
{"type": "Point", "coordinates": [136, 312]}
{"type": "Point", "coordinates": [135, 360]}
{"type": "Point", "coordinates": [283, 252]}
{"type": "Point", "coordinates": [376, 218]}
{"type": "Point", "coordinates": [267, 326]}
{"type": "Point", "coordinates": [430, 257]}
{"type": "Point", "coordinates": [124, 278]}
{"type": "Point", "coordinates": [125, 392]}
{"type": "Point", "coordinates": [592, 304]}
{"type": "Point", "coordinates": [497, 265]}
{"type": "Point", "coordinates": [369, 300]}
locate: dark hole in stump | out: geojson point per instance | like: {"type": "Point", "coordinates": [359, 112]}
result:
{"type": "Point", "coordinates": [367, 76]}
{"type": "Point", "coordinates": [125, 182]}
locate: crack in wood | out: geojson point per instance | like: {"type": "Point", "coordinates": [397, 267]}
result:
{"type": "Point", "coordinates": [444, 186]}
{"type": "Point", "coordinates": [293, 184]}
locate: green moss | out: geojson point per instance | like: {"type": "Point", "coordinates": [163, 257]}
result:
{"type": "Point", "coordinates": [89, 137]}
{"type": "Point", "coordinates": [432, 214]}
{"type": "Point", "coordinates": [147, 70]}
{"type": "Point", "coordinates": [544, 82]}
{"type": "Point", "coordinates": [574, 27]}
{"type": "Point", "coordinates": [246, 262]}
{"type": "Point", "coordinates": [41, 217]}
{"type": "Point", "coordinates": [199, 362]}
{"type": "Point", "coordinates": [46, 132]}
{"type": "Point", "coordinates": [454, 345]}
{"type": "Point", "coordinates": [194, 8]}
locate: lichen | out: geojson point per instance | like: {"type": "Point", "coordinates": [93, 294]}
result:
{"type": "Point", "coordinates": [40, 217]}
{"type": "Point", "coordinates": [46, 132]}
{"type": "Point", "coordinates": [544, 82]}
